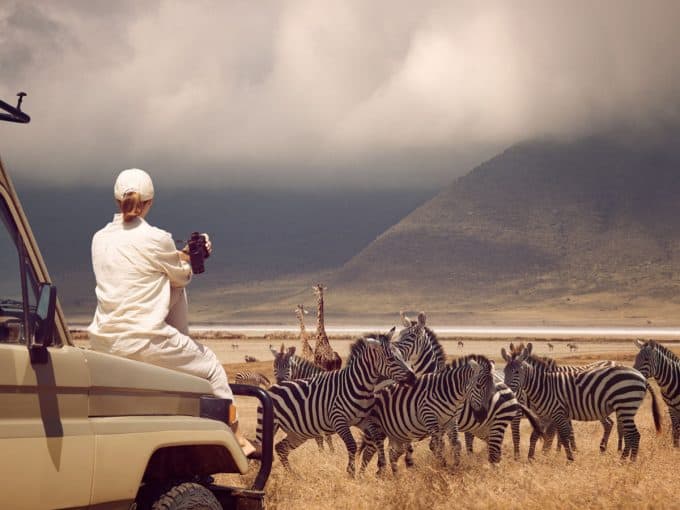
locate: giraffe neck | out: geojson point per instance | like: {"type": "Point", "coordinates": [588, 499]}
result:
{"type": "Point", "coordinates": [320, 329]}
{"type": "Point", "coordinates": [301, 321]}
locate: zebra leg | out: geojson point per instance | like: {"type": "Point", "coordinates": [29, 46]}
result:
{"type": "Point", "coordinates": [452, 433]}
{"type": "Point", "coordinates": [396, 451]}
{"type": "Point", "coordinates": [329, 441]}
{"type": "Point", "coordinates": [343, 431]}
{"type": "Point", "coordinates": [619, 433]}
{"type": "Point", "coordinates": [675, 426]}
{"type": "Point", "coordinates": [408, 458]}
{"type": "Point", "coordinates": [548, 436]}
{"type": "Point", "coordinates": [532, 444]}
{"type": "Point", "coordinates": [514, 427]}
{"type": "Point", "coordinates": [631, 437]}
{"type": "Point", "coordinates": [469, 440]}
{"type": "Point", "coordinates": [495, 441]}
{"type": "Point", "coordinates": [284, 447]}
{"type": "Point", "coordinates": [319, 442]}
{"type": "Point", "coordinates": [607, 424]}
{"type": "Point", "coordinates": [564, 433]}
{"type": "Point", "coordinates": [437, 447]}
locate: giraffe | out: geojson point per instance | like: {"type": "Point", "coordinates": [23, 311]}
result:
{"type": "Point", "coordinates": [324, 355]}
{"type": "Point", "coordinates": [307, 351]}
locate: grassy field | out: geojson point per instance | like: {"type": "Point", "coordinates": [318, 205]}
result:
{"type": "Point", "coordinates": [593, 480]}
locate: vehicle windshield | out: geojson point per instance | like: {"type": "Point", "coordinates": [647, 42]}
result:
{"type": "Point", "coordinates": [11, 299]}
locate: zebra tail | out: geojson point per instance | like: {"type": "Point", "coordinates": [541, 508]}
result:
{"type": "Point", "coordinates": [533, 420]}
{"type": "Point", "coordinates": [655, 409]}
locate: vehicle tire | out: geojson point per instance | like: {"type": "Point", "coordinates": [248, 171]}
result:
{"type": "Point", "coordinates": [187, 496]}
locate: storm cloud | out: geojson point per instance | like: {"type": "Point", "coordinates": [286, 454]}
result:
{"type": "Point", "coordinates": [308, 93]}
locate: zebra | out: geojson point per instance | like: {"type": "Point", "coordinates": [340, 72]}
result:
{"type": "Point", "coordinates": [426, 409]}
{"type": "Point", "coordinates": [658, 362]}
{"type": "Point", "coordinates": [252, 378]}
{"type": "Point", "coordinates": [420, 346]}
{"type": "Point", "coordinates": [504, 410]}
{"type": "Point", "coordinates": [287, 367]}
{"type": "Point", "coordinates": [549, 426]}
{"type": "Point", "coordinates": [332, 402]}
{"type": "Point", "coordinates": [587, 396]}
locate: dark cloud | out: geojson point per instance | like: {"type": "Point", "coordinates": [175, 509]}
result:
{"type": "Point", "coordinates": [308, 93]}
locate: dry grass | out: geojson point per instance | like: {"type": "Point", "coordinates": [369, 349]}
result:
{"type": "Point", "coordinates": [593, 480]}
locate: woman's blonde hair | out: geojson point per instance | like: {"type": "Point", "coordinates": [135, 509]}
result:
{"type": "Point", "coordinates": [131, 206]}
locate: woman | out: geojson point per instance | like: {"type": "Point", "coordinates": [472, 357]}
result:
{"type": "Point", "coordinates": [141, 303]}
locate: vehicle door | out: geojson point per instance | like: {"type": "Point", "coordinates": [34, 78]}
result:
{"type": "Point", "coordinates": [46, 444]}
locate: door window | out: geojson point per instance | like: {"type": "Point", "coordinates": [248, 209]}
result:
{"type": "Point", "coordinates": [11, 292]}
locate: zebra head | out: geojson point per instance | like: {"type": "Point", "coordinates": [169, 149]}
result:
{"type": "Point", "coordinates": [482, 386]}
{"type": "Point", "coordinates": [419, 346]}
{"type": "Point", "coordinates": [383, 357]}
{"type": "Point", "coordinates": [645, 361]}
{"type": "Point", "coordinates": [282, 363]}
{"type": "Point", "coordinates": [515, 366]}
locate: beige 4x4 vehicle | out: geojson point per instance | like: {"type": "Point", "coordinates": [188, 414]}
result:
{"type": "Point", "coordinates": [82, 429]}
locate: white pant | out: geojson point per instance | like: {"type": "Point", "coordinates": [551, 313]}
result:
{"type": "Point", "coordinates": [183, 353]}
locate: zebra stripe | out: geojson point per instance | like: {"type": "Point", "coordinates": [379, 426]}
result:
{"type": "Point", "coordinates": [426, 409]}
{"type": "Point", "coordinates": [252, 378]}
{"type": "Point", "coordinates": [658, 362]}
{"type": "Point", "coordinates": [288, 366]}
{"type": "Point", "coordinates": [331, 402]}
{"type": "Point", "coordinates": [586, 396]}
{"type": "Point", "coordinates": [548, 426]}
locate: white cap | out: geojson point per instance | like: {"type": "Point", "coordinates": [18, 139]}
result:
{"type": "Point", "coordinates": [133, 179]}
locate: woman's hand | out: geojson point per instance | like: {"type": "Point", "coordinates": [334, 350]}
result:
{"type": "Point", "coordinates": [208, 243]}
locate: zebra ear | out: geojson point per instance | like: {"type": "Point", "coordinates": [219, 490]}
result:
{"type": "Point", "coordinates": [476, 366]}
{"type": "Point", "coordinates": [405, 321]}
{"type": "Point", "coordinates": [505, 354]}
{"type": "Point", "coordinates": [421, 319]}
{"type": "Point", "coordinates": [528, 349]}
{"type": "Point", "coordinates": [274, 351]}
{"type": "Point", "coordinates": [291, 351]}
{"type": "Point", "coordinates": [391, 332]}
{"type": "Point", "coordinates": [639, 343]}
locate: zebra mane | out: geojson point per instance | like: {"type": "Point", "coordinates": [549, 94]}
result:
{"type": "Point", "coordinates": [359, 346]}
{"type": "Point", "coordinates": [664, 350]}
{"type": "Point", "coordinates": [544, 363]}
{"type": "Point", "coordinates": [465, 360]}
{"type": "Point", "coordinates": [299, 361]}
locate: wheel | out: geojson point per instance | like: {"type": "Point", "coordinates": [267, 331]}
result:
{"type": "Point", "coordinates": [187, 496]}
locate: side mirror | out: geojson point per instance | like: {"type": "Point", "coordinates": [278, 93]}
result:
{"type": "Point", "coordinates": [43, 325]}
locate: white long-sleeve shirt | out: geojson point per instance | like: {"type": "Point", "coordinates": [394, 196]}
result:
{"type": "Point", "coordinates": [135, 266]}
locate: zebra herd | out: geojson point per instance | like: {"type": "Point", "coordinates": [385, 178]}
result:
{"type": "Point", "coordinates": [403, 391]}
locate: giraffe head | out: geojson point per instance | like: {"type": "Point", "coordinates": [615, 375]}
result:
{"type": "Point", "coordinates": [318, 289]}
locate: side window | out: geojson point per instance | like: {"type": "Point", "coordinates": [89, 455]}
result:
{"type": "Point", "coordinates": [11, 297]}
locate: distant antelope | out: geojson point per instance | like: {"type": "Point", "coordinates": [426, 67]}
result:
{"type": "Point", "coordinates": [251, 359]}
{"type": "Point", "coordinates": [460, 344]}
{"type": "Point", "coordinates": [572, 347]}
{"type": "Point", "coordinates": [550, 347]}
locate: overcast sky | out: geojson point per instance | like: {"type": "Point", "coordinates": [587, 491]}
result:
{"type": "Point", "coordinates": [322, 92]}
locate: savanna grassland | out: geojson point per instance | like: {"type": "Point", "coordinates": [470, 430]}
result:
{"type": "Point", "coordinates": [593, 480]}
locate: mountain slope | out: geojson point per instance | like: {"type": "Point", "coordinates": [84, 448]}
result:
{"type": "Point", "coordinates": [542, 220]}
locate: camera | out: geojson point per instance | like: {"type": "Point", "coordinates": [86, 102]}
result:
{"type": "Point", "coordinates": [197, 252]}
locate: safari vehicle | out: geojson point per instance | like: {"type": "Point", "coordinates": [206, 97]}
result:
{"type": "Point", "coordinates": [83, 429]}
